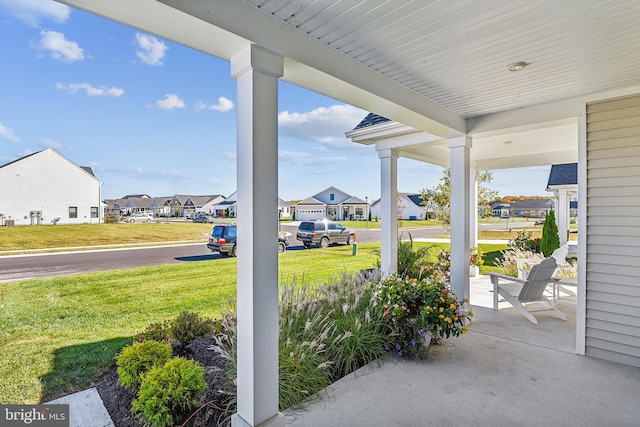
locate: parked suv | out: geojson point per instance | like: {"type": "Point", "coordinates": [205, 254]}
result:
{"type": "Point", "coordinates": [323, 233]}
{"type": "Point", "coordinates": [223, 240]}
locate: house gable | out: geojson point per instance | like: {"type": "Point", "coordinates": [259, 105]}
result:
{"type": "Point", "coordinates": [332, 196]}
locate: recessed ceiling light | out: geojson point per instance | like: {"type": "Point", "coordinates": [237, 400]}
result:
{"type": "Point", "coordinates": [517, 66]}
{"type": "Point", "coordinates": [507, 142]}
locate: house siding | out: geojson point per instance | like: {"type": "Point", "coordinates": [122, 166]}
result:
{"type": "Point", "coordinates": [48, 182]}
{"type": "Point", "coordinates": [613, 231]}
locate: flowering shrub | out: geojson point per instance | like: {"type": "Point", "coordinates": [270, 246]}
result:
{"type": "Point", "coordinates": [419, 311]}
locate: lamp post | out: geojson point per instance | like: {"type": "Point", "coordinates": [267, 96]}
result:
{"type": "Point", "coordinates": [366, 211]}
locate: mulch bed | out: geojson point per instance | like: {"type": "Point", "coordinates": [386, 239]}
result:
{"type": "Point", "coordinates": [117, 400]}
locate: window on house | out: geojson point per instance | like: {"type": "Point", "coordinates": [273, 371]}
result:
{"type": "Point", "coordinates": [359, 211]}
{"type": "Point", "coordinates": [332, 196]}
{"type": "Point", "coordinates": [73, 212]}
{"type": "Point", "coordinates": [94, 212]}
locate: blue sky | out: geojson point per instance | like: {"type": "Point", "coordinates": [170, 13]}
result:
{"type": "Point", "coordinates": [150, 116]}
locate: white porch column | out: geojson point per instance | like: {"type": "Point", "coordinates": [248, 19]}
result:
{"type": "Point", "coordinates": [257, 71]}
{"type": "Point", "coordinates": [473, 215]}
{"type": "Point", "coordinates": [460, 204]}
{"type": "Point", "coordinates": [562, 215]}
{"type": "Point", "coordinates": [388, 211]}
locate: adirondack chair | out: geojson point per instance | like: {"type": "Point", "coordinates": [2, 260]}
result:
{"type": "Point", "coordinates": [521, 291]}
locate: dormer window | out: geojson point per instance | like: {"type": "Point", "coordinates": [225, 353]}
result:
{"type": "Point", "coordinates": [332, 197]}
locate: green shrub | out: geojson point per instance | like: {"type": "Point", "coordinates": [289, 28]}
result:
{"type": "Point", "coordinates": [189, 326]}
{"type": "Point", "coordinates": [168, 392]}
{"type": "Point", "coordinates": [135, 360]}
{"type": "Point", "coordinates": [550, 240]}
{"type": "Point", "coordinates": [160, 331]}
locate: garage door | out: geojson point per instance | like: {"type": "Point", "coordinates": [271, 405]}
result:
{"type": "Point", "coordinates": [309, 215]}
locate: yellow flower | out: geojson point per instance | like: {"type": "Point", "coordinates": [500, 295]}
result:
{"type": "Point", "coordinates": [470, 313]}
{"type": "Point", "coordinates": [441, 309]}
{"type": "Point", "coordinates": [442, 299]}
{"type": "Point", "coordinates": [427, 308]}
{"type": "Point", "coordinates": [455, 318]}
{"type": "Point", "coordinates": [466, 300]}
{"type": "Point", "coordinates": [447, 319]}
{"type": "Point", "coordinates": [464, 330]}
{"type": "Point", "coordinates": [441, 316]}
{"type": "Point", "coordinates": [452, 306]}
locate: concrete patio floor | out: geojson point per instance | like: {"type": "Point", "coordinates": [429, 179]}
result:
{"type": "Point", "coordinates": [505, 372]}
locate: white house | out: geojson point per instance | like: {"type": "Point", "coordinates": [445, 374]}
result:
{"type": "Point", "coordinates": [47, 188]}
{"type": "Point", "coordinates": [473, 86]}
{"type": "Point", "coordinates": [409, 207]}
{"type": "Point", "coordinates": [563, 182]}
{"type": "Point", "coordinates": [331, 203]}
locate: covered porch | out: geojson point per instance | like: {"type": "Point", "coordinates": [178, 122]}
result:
{"type": "Point", "coordinates": [504, 372]}
{"type": "Point", "coordinates": [475, 85]}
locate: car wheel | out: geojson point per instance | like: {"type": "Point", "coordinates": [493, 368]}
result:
{"type": "Point", "coordinates": [132, 220]}
{"type": "Point", "coordinates": [324, 242]}
{"type": "Point", "coordinates": [234, 252]}
{"type": "Point", "coordinates": [281, 247]}
{"type": "Point", "coordinates": [148, 220]}
{"type": "Point", "coordinates": [307, 245]}
{"type": "Point", "coordinates": [350, 239]}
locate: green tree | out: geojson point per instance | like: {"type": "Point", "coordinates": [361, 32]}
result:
{"type": "Point", "coordinates": [438, 199]}
{"type": "Point", "coordinates": [550, 240]}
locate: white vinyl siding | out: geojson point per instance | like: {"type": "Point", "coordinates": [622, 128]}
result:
{"type": "Point", "coordinates": [613, 230]}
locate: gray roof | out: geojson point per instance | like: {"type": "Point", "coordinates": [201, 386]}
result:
{"type": "Point", "coordinates": [563, 174]}
{"type": "Point", "coordinates": [371, 120]}
{"type": "Point", "coordinates": [530, 204]}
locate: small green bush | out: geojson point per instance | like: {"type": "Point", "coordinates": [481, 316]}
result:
{"type": "Point", "coordinates": [168, 392]}
{"type": "Point", "coordinates": [550, 239]}
{"type": "Point", "coordinates": [135, 360]}
{"type": "Point", "coordinates": [189, 326]}
{"type": "Point", "coordinates": [160, 331]}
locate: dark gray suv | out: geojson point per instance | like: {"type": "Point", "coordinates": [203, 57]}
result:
{"type": "Point", "coordinates": [323, 233]}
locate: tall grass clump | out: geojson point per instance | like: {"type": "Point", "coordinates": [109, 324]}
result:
{"type": "Point", "coordinates": [325, 334]}
{"type": "Point", "coordinates": [508, 265]}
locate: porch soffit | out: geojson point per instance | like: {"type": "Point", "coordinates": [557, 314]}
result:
{"type": "Point", "coordinates": [438, 67]}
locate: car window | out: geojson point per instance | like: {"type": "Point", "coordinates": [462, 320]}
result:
{"type": "Point", "coordinates": [319, 226]}
{"type": "Point", "coordinates": [306, 226]}
{"type": "Point", "coordinates": [231, 232]}
{"type": "Point", "coordinates": [339, 227]}
{"type": "Point", "coordinates": [333, 227]}
{"type": "Point", "coordinates": [218, 231]}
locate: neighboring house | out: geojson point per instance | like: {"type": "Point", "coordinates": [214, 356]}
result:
{"type": "Point", "coordinates": [536, 208]}
{"type": "Point", "coordinates": [227, 207]}
{"type": "Point", "coordinates": [503, 210]}
{"type": "Point", "coordinates": [137, 204]}
{"type": "Point", "coordinates": [563, 182]}
{"type": "Point", "coordinates": [409, 207]}
{"type": "Point", "coordinates": [285, 208]}
{"type": "Point", "coordinates": [331, 203]}
{"type": "Point", "coordinates": [47, 188]}
{"type": "Point", "coordinates": [161, 206]}
{"type": "Point", "coordinates": [205, 203]}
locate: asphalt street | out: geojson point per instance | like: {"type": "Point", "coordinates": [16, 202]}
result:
{"type": "Point", "coordinates": [31, 266]}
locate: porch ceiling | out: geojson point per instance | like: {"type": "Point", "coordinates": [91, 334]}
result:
{"type": "Point", "coordinates": [438, 67]}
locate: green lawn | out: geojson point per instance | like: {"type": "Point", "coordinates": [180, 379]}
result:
{"type": "Point", "coordinates": [57, 334]}
{"type": "Point", "coordinates": [63, 236]}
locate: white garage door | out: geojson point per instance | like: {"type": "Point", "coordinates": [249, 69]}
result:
{"type": "Point", "coordinates": [309, 215]}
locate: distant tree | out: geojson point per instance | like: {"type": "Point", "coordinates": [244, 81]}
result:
{"type": "Point", "coordinates": [438, 199]}
{"type": "Point", "coordinates": [550, 240]}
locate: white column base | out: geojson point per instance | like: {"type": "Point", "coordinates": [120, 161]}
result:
{"type": "Point", "coordinates": [277, 421]}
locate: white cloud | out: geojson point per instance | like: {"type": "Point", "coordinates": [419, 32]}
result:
{"type": "Point", "coordinates": [223, 105]}
{"type": "Point", "coordinates": [324, 125]}
{"type": "Point", "coordinates": [300, 158]}
{"type": "Point", "coordinates": [170, 102]}
{"type": "Point", "coordinates": [90, 90]}
{"type": "Point", "coordinates": [8, 135]}
{"type": "Point", "coordinates": [33, 12]}
{"type": "Point", "coordinates": [59, 47]}
{"type": "Point", "coordinates": [150, 50]}
{"type": "Point", "coordinates": [229, 155]}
